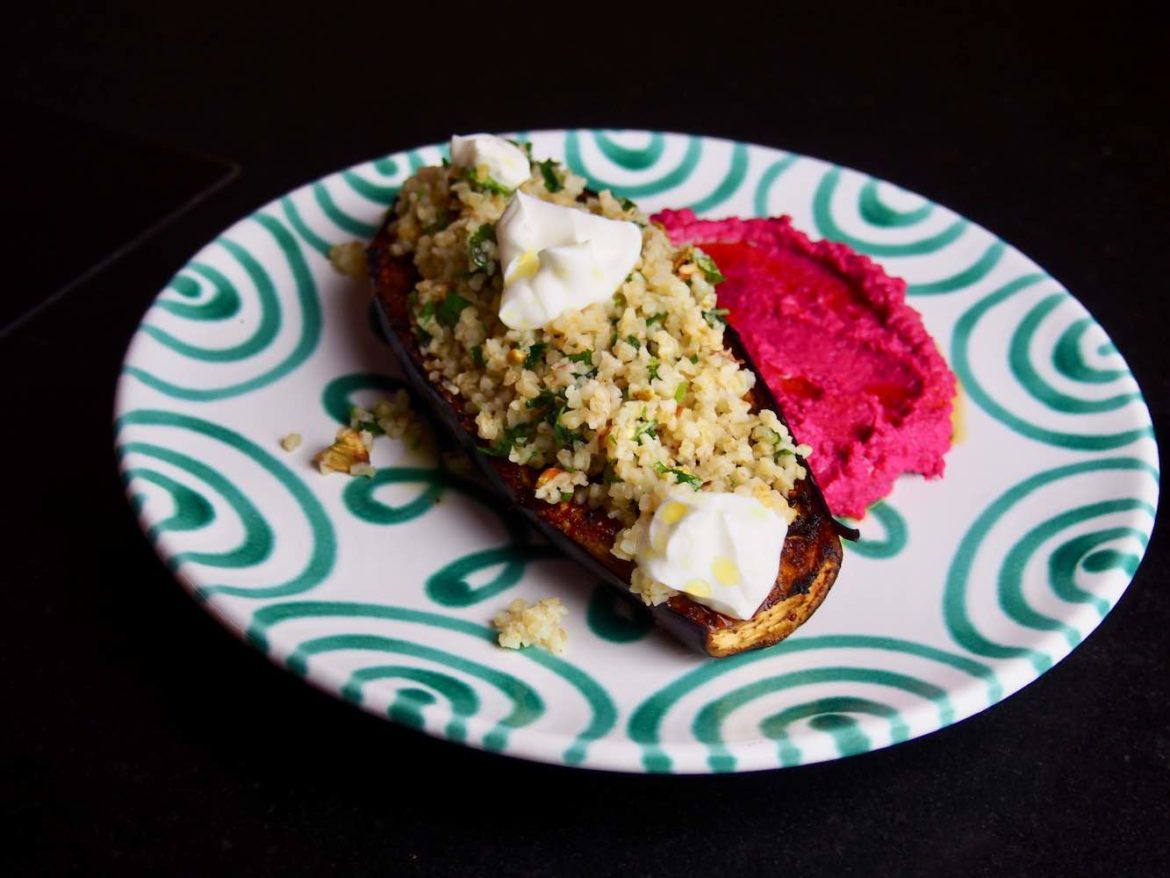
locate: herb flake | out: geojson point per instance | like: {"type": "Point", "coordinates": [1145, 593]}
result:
{"type": "Point", "coordinates": [485, 184]}
{"type": "Point", "coordinates": [477, 253]}
{"type": "Point", "coordinates": [716, 317]}
{"type": "Point", "coordinates": [645, 428]}
{"type": "Point", "coordinates": [447, 314]}
{"type": "Point", "coordinates": [548, 171]}
{"type": "Point", "coordinates": [512, 437]}
{"type": "Point", "coordinates": [535, 354]}
{"type": "Point", "coordinates": [681, 476]}
{"type": "Point", "coordinates": [707, 265]}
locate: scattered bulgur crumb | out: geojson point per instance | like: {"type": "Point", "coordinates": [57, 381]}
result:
{"type": "Point", "coordinates": [291, 442]}
{"type": "Point", "coordinates": [349, 259]}
{"type": "Point", "coordinates": [394, 417]}
{"type": "Point", "coordinates": [362, 469]}
{"type": "Point", "coordinates": [347, 450]}
{"type": "Point", "coordinates": [537, 624]}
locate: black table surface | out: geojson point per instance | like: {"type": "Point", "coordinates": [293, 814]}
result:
{"type": "Point", "coordinates": [140, 736]}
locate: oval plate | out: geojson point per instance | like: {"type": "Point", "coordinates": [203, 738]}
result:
{"type": "Point", "coordinates": [381, 590]}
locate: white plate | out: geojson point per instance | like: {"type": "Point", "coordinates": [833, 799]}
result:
{"type": "Point", "coordinates": [381, 591]}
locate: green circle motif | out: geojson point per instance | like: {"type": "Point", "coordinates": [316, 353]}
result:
{"type": "Point", "coordinates": [616, 618]}
{"type": "Point", "coordinates": [962, 363]}
{"type": "Point", "coordinates": [258, 543]}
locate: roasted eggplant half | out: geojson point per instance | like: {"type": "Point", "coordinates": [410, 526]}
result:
{"type": "Point", "coordinates": [810, 558]}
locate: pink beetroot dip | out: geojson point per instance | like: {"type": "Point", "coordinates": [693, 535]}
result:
{"type": "Point", "coordinates": [855, 371]}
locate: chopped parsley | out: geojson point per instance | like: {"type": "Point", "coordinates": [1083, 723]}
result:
{"type": "Point", "coordinates": [654, 318]}
{"type": "Point", "coordinates": [653, 369]}
{"type": "Point", "coordinates": [632, 341]}
{"type": "Point", "coordinates": [585, 357]}
{"type": "Point", "coordinates": [645, 428]}
{"type": "Point", "coordinates": [557, 405]}
{"type": "Point", "coordinates": [551, 181]}
{"type": "Point", "coordinates": [535, 354]}
{"type": "Point", "coordinates": [566, 496]}
{"type": "Point", "coordinates": [681, 476]}
{"type": "Point", "coordinates": [542, 400]}
{"type": "Point", "coordinates": [485, 184]}
{"type": "Point", "coordinates": [564, 436]}
{"type": "Point", "coordinates": [426, 312]}
{"type": "Point", "coordinates": [626, 203]}
{"type": "Point", "coordinates": [358, 423]}
{"type": "Point", "coordinates": [680, 392]}
{"type": "Point", "coordinates": [707, 265]}
{"type": "Point", "coordinates": [609, 475]}
{"type": "Point", "coordinates": [777, 440]}
{"type": "Point", "coordinates": [694, 358]}
{"type": "Point", "coordinates": [477, 253]}
{"type": "Point", "coordinates": [512, 437]}
{"type": "Point", "coordinates": [716, 317]}
{"type": "Point", "coordinates": [450, 308]}
{"type": "Point", "coordinates": [477, 355]}
{"type": "Point", "coordinates": [521, 144]}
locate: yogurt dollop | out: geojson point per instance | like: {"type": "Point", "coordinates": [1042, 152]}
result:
{"type": "Point", "coordinates": [722, 550]}
{"type": "Point", "coordinates": [556, 258]}
{"type": "Point", "coordinates": [491, 156]}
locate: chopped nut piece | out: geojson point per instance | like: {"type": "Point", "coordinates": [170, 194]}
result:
{"type": "Point", "coordinates": [347, 449]}
{"type": "Point", "coordinates": [349, 259]}
{"type": "Point", "coordinates": [291, 442]}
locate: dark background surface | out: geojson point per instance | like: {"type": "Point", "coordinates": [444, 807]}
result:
{"type": "Point", "coordinates": [139, 736]}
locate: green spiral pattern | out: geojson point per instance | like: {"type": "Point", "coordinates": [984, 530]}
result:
{"type": "Point", "coordinates": [223, 302]}
{"type": "Point", "coordinates": [206, 322]}
{"type": "Point", "coordinates": [1093, 525]}
{"type": "Point", "coordinates": [891, 522]}
{"type": "Point", "coordinates": [809, 674]}
{"type": "Point", "coordinates": [258, 541]}
{"type": "Point", "coordinates": [380, 590]}
{"type": "Point", "coordinates": [415, 630]}
{"type": "Point", "coordinates": [450, 585]}
{"type": "Point", "coordinates": [1121, 418]}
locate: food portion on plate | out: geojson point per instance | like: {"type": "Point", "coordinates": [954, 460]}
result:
{"type": "Point", "coordinates": [584, 360]}
{"type": "Point", "coordinates": [860, 379]}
